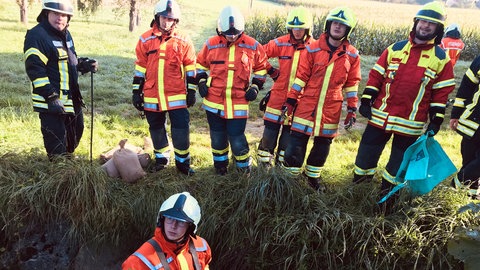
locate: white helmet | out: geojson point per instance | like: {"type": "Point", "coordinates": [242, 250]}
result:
{"type": "Point", "coordinates": [182, 207]}
{"type": "Point", "coordinates": [231, 21]}
{"type": "Point", "coordinates": [167, 8]}
{"type": "Point", "coordinates": [60, 6]}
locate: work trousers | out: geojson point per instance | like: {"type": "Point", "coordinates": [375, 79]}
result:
{"type": "Point", "coordinates": [180, 132]}
{"type": "Point", "coordinates": [269, 142]}
{"type": "Point", "coordinates": [371, 147]}
{"type": "Point", "coordinates": [61, 132]}
{"type": "Point", "coordinates": [470, 171]}
{"type": "Point", "coordinates": [225, 133]}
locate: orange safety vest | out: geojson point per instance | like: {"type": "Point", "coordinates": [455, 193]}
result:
{"type": "Point", "coordinates": [230, 67]}
{"type": "Point", "coordinates": [324, 75]}
{"type": "Point", "coordinates": [288, 55]}
{"type": "Point", "coordinates": [164, 62]}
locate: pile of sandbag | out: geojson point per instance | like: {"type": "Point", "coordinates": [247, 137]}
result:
{"type": "Point", "coordinates": [126, 161]}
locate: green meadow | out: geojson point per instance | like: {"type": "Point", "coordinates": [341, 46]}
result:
{"type": "Point", "coordinates": [268, 220]}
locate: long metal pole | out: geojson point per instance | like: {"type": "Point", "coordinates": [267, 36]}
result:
{"type": "Point", "coordinates": [91, 115]}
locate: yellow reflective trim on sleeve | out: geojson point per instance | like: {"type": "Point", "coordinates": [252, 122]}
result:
{"type": "Point", "coordinates": [299, 82]}
{"type": "Point", "coordinates": [140, 69]}
{"type": "Point", "coordinates": [353, 88]}
{"type": "Point", "coordinates": [190, 68]}
{"type": "Point", "coordinates": [35, 51]}
{"type": "Point", "coordinates": [262, 72]}
{"type": "Point", "coordinates": [200, 67]}
{"type": "Point", "coordinates": [472, 76]}
{"type": "Point", "coordinates": [40, 82]}
{"type": "Point", "coordinates": [379, 69]}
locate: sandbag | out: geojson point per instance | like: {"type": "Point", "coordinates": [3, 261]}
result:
{"type": "Point", "coordinates": [144, 159]}
{"type": "Point", "coordinates": [127, 163]}
{"type": "Point", "coordinates": [108, 155]}
{"type": "Point", "coordinates": [110, 168]}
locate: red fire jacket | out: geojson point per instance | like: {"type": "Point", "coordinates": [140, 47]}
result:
{"type": "Point", "coordinates": [324, 75]}
{"type": "Point", "coordinates": [230, 67]}
{"type": "Point", "coordinates": [288, 54]}
{"type": "Point", "coordinates": [161, 66]}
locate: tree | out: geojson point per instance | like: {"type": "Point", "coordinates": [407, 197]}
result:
{"type": "Point", "coordinates": [23, 4]}
{"type": "Point", "coordinates": [134, 16]}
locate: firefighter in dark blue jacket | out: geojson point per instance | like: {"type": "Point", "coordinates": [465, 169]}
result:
{"type": "Point", "coordinates": [51, 64]}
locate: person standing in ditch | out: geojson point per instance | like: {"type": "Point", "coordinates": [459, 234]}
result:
{"type": "Point", "coordinates": [52, 66]}
{"type": "Point", "coordinates": [408, 87]}
{"type": "Point", "coordinates": [331, 67]}
{"type": "Point", "coordinates": [224, 67]}
{"type": "Point", "coordinates": [164, 82]}
{"type": "Point", "coordinates": [174, 244]}
{"type": "Point", "coordinates": [287, 49]}
{"type": "Point", "coordinates": [465, 119]}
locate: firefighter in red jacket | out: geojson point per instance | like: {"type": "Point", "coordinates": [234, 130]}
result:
{"type": "Point", "coordinates": [465, 119]}
{"type": "Point", "coordinates": [330, 68]}
{"type": "Point", "coordinates": [287, 49]}
{"type": "Point", "coordinates": [452, 42]}
{"type": "Point", "coordinates": [164, 81]}
{"type": "Point", "coordinates": [174, 244]}
{"type": "Point", "coordinates": [408, 87]}
{"type": "Point", "coordinates": [224, 67]}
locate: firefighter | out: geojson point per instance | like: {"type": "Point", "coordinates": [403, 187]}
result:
{"type": "Point", "coordinates": [52, 66]}
{"type": "Point", "coordinates": [164, 82]}
{"type": "Point", "coordinates": [452, 42]}
{"type": "Point", "coordinates": [174, 244]}
{"type": "Point", "coordinates": [224, 72]}
{"type": "Point", "coordinates": [465, 119]}
{"type": "Point", "coordinates": [407, 87]}
{"type": "Point", "coordinates": [287, 49]}
{"type": "Point", "coordinates": [329, 69]}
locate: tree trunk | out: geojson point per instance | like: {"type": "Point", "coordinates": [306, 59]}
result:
{"type": "Point", "coordinates": [134, 15]}
{"type": "Point", "coordinates": [23, 4]}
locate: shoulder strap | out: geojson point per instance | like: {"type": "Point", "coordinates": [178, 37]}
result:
{"type": "Point", "coordinates": [193, 251]}
{"type": "Point", "coordinates": [160, 253]}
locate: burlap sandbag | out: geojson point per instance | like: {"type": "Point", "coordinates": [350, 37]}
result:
{"type": "Point", "coordinates": [111, 169]}
{"type": "Point", "coordinates": [127, 163]}
{"type": "Point", "coordinates": [144, 159]}
{"type": "Point", "coordinates": [108, 155]}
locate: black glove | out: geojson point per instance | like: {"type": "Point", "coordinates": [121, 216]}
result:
{"type": "Point", "coordinates": [202, 87]}
{"type": "Point", "coordinates": [287, 108]}
{"type": "Point", "coordinates": [55, 105]}
{"type": "Point", "coordinates": [86, 65]}
{"type": "Point", "coordinates": [262, 106]}
{"type": "Point", "coordinates": [191, 97]}
{"type": "Point", "coordinates": [365, 108]}
{"type": "Point", "coordinates": [251, 93]}
{"type": "Point", "coordinates": [434, 127]}
{"type": "Point", "coordinates": [137, 100]}
{"type": "Point", "coordinates": [274, 73]}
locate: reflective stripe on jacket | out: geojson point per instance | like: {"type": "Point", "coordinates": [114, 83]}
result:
{"type": "Point", "coordinates": [324, 75]}
{"type": "Point", "coordinates": [50, 63]}
{"type": "Point", "coordinates": [288, 54]}
{"type": "Point", "coordinates": [163, 63]}
{"type": "Point", "coordinates": [230, 68]}
{"type": "Point", "coordinates": [466, 107]}
{"type": "Point", "coordinates": [410, 79]}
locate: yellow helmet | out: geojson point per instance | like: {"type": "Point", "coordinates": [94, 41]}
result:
{"type": "Point", "coordinates": [344, 16]}
{"type": "Point", "coordinates": [433, 12]}
{"type": "Point", "coordinates": [299, 18]}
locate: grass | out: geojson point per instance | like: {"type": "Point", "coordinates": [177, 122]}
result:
{"type": "Point", "coordinates": [264, 221]}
